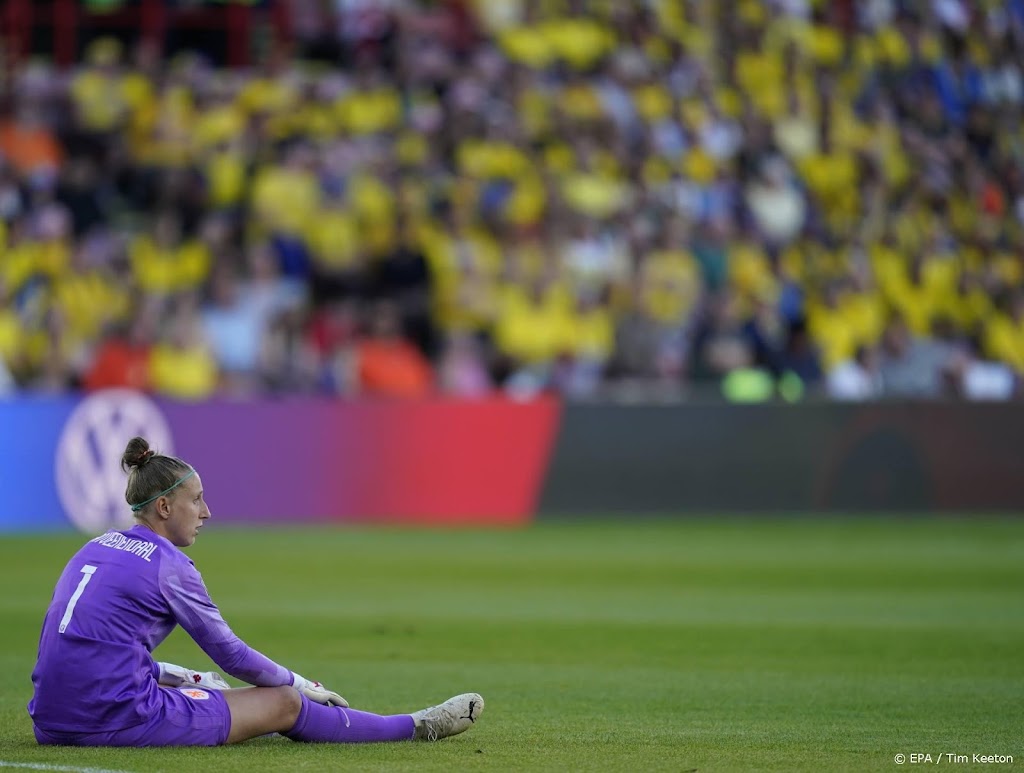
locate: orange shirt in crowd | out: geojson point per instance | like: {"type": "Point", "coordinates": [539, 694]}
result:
{"type": "Point", "coordinates": [29, 149]}
{"type": "Point", "coordinates": [393, 368]}
{"type": "Point", "coordinates": [119, 364]}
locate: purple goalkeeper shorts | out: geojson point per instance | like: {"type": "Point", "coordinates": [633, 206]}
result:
{"type": "Point", "coordinates": [188, 716]}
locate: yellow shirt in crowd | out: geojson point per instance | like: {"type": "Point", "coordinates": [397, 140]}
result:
{"type": "Point", "coordinates": [183, 373]}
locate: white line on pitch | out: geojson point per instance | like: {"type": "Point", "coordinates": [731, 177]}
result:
{"type": "Point", "coordinates": [62, 768]}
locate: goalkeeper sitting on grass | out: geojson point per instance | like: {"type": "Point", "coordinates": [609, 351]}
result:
{"type": "Point", "coordinates": [96, 683]}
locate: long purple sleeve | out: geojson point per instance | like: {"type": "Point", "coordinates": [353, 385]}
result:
{"type": "Point", "coordinates": [183, 587]}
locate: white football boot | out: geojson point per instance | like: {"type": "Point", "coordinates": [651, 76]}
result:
{"type": "Point", "coordinates": [456, 715]}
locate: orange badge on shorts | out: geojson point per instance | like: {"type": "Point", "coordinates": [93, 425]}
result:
{"type": "Point", "coordinates": [196, 695]}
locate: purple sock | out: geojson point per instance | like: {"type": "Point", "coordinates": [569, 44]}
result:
{"type": "Point", "coordinates": [330, 724]}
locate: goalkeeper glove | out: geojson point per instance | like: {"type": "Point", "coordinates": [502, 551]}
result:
{"type": "Point", "coordinates": [179, 676]}
{"type": "Point", "coordinates": [317, 693]}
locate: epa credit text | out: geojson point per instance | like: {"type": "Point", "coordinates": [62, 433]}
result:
{"type": "Point", "coordinates": [949, 758]}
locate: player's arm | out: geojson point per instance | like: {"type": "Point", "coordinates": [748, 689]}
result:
{"type": "Point", "coordinates": [195, 611]}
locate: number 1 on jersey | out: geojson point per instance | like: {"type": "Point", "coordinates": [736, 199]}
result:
{"type": "Point", "coordinates": [87, 571]}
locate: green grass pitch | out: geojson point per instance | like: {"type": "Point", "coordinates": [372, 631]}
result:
{"type": "Point", "coordinates": [676, 645]}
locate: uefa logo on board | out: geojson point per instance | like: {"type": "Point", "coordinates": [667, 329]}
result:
{"type": "Point", "coordinates": [90, 482]}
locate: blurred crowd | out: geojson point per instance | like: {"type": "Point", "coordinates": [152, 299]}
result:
{"type": "Point", "coordinates": [641, 200]}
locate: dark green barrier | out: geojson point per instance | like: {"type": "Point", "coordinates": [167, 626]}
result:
{"type": "Point", "coordinates": [781, 458]}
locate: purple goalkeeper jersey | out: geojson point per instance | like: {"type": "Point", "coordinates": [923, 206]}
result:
{"type": "Point", "coordinates": [117, 599]}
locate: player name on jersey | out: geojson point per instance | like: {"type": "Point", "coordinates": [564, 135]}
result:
{"type": "Point", "coordinates": [138, 547]}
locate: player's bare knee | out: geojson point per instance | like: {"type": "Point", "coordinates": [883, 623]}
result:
{"type": "Point", "coordinates": [290, 704]}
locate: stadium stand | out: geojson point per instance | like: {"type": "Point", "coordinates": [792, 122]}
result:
{"type": "Point", "coordinates": [648, 200]}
